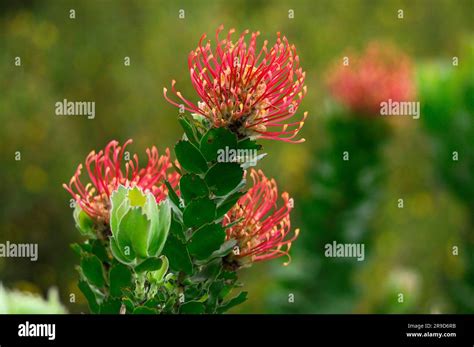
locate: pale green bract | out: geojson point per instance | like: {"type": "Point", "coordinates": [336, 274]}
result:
{"type": "Point", "coordinates": [17, 302]}
{"type": "Point", "coordinates": [139, 225]}
{"type": "Point", "coordinates": [84, 223]}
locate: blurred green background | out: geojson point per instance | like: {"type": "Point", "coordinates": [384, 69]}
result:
{"type": "Point", "coordinates": [408, 250]}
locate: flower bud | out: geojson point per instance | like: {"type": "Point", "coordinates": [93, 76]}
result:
{"type": "Point", "coordinates": [139, 225]}
{"type": "Point", "coordinates": [84, 223]}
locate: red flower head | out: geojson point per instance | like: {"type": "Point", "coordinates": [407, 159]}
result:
{"type": "Point", "coordinates": [252, 93]}
{"type": "Point", "coordinates": [261, 229]}
{"type": "Point", "coordinates": [379, 74]}
{"type": "Point", "coordinates": [106, 174]}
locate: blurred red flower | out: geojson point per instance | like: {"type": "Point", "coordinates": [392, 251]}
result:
{"type": "Point", "coordinates": [379, 74]}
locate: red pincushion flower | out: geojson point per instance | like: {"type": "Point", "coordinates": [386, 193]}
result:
{"type": "Point", "coordinates": [379, 74]}
{"type": "Point", "coordinates": [106, 174]}
{"type": "Point", "coordinates": [261, 228]}
{"type": "Point", "coordinates": [252, 93]}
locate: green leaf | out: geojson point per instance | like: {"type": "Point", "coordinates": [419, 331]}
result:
{"type": "Point", "coordinates": [160, 216]}
{"type": "Point", "coordinates": [172, 195]}
{"type": "Point", "coordinates": [98, 248]}
{"type": "Point", "coordinates": [224, 249]}
{"type": "Point", "coordinates": [76, 248]}
{"type": "Point", "coordinates": [129, 306]}
{"type": "Point", "coordinates": [206, 240]}
{"type": "Point", "coordinates": [228, 275]}
{"type": "Point", "coordinates": [222, 178]}
{"type": "Point", "coordinates": [249, 144]}
{"type": "Point", "coordinates": [178, 255]}
{"type": "Point", "coordinates": [199, 212]}
{"type": "Point", "coordinates": [226, 290]}
{"type": "Point", "coordinates": [133, 233]}
{"type": "Point", "coordinates": [157, 275]}
{"type": "Point", "coordinates": [215, 140]}
{"type": "Point", "coordinates": [192, 290]}
{"type": "Point", "coordinates": [225, 205]}
{"type": "Point", "coordinates": [84, 223]}
{"type": "Point", "coordinates": [192, 307]}
{"type": "Point", "coordinates": [208, 273]}
{"type": "Point", "coordinates": [190, 158]}
{"type": "Point", "coordinates": [120, 276]}
{"type": "Point", "coordinates": [119, 254]}
{"type": "Point", "coordinates": [93, 271]}
{"type": "Point", "coordinates": [144, 310]}
{"type": "Point", "coordinates": [233, 302]}
{"type": "Point", "coordinates": [176, 228]}
{"type": "Point", "coordinates": [188, 130]}
{"type": "Point", "coordinates": [151, 264]}
{"type": "Point", "coordinates": [86, 247]}
{"type": "Point", "coordinates": [110, 306]}
{"type": "Point", "coordinates": [89, 295]}
{"type": "Point", "coordinates": [120, 206]}
{"type": "Point", "coordinates": [214, 290]}
{"type": "Point", "coordinates": [192, 186]}
{"type": "Point", "coordinates": [152, 303]}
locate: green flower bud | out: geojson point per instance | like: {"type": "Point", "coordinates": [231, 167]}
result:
{"type": "Point", "coordinates": [84, 223]}
{"type": "Point", "coordinates": [139, 225]}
